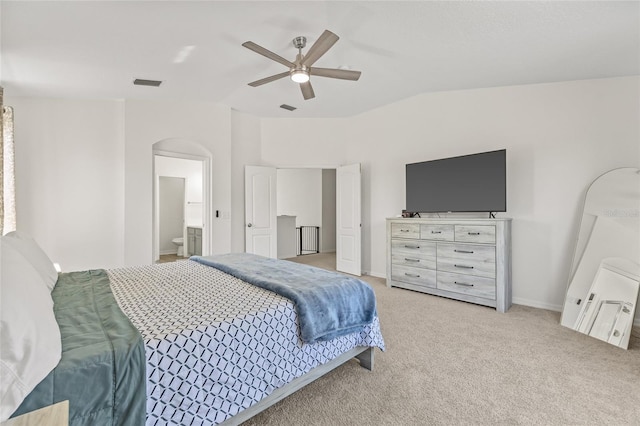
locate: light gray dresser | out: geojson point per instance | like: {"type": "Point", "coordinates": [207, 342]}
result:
{"type": "Point", "coordinates": [463, 259]}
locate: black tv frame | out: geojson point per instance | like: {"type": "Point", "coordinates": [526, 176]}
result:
{"type": "Point", "coordinates": [443, 177]}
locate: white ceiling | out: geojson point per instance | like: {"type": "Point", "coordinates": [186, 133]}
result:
{"type": "Point", "coordinates": [93, 49]}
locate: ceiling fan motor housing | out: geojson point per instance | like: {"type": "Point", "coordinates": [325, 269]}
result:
{"type": "Point", "coordinates": [300, 42]}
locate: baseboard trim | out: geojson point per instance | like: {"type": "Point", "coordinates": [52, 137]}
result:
{"type": "Point", "coordinates": [375, 274]}
{"type": "Point", "coordinates": [537, 304]}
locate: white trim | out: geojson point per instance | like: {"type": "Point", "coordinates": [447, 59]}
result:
{"type": "Point", "coordinates": [326, 167]}
{"type": "Point", "coordinates": [537, 304]}
{"type": "Point", "coordinates": [327, 251]}
{"type": "Point", "coordinates": [376, 274]}
{"type": "Point", "coordinates": [179, 155]}
{"type": "Point", "coordinates": [163, 252]}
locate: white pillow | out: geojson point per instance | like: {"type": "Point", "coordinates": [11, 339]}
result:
{"type": "Point", "coordinates": [30, 344]}
{"type": "Point", "coordinates": [27, 246]}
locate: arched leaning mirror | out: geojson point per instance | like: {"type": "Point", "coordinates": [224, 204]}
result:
{"type": "Point", "coordinates": [602, 294]}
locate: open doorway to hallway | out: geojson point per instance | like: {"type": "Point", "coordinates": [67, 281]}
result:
{"type": "Point", "coordinates": [306, 208]}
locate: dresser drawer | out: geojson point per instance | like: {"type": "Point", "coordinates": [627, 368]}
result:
{"type": "Point", "coordinates": [418, 253]}
{"type": "Point", "coordinates": [467, 252]}
{"type": "Point", "coordinates": [478, 266]}
{"type": "Point", "coordinates": [413, 246]}
{"type": "Point", "coordinates": [436, 232]}
{"type": "Point", "coordinates": [405, 230]}
{"type": "Point", "coordinates": [417, 260]}
{"type": "Point", "coordinates": [412, 275]}
{"type": "Point", "coordinates": [467, 284]}
{"type": "Point", "coordinates": [476, 233]}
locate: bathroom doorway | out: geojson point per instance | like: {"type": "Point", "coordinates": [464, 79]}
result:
{"type": "Point", "coordinates": [179, 207]}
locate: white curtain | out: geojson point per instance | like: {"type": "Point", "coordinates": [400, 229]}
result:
{"type": "Point", "coordinates": [1, 162]}
{"type": "Point", "coordinates": [7, 174]}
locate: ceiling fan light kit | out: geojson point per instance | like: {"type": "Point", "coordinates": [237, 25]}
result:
{"type": "Point", "coordinates": [301, 70]}
{"type": "Point", "coordinates": [299, 75]}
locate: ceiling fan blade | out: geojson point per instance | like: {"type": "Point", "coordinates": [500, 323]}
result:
{"type": "Point", "coordinates": [307, 90]}
{"type": "Point", "coordinates": [320, 47]}
{"type": "Point", "coordinates": [269, 79]}
{"type": "Point", "coordinates": [267, 53]}
{"type": "Point", "coordinates": [335, 73]}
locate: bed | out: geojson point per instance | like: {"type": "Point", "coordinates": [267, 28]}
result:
{"type": "Point", "coordinates": [194, 342]}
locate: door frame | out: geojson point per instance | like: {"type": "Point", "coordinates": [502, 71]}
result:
{"type": "Point", "coordinates": [206, 201]}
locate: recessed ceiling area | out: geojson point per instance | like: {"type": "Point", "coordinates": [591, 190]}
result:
{"type": "Point", "coordinates": [95, 49]}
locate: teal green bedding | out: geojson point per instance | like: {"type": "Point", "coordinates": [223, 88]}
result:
{"type": "Point", "coordinates": [102, 370]}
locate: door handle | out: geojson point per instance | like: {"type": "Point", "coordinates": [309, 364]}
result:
{"type": "Point", "coordinates": [250, 225]}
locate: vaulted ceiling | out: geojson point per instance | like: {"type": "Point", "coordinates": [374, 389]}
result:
{"type": "Point", "coordinates": [95, 49]}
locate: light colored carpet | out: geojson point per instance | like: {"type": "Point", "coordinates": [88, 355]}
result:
{"type": "Point", "coordinates": [454, 363]}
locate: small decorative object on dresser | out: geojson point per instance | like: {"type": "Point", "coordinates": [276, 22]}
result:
{"type": "Point", "coordinates": [463, 259]}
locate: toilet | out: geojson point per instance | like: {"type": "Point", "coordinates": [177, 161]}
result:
{"type": "Point", "coordinates": [179, 241]}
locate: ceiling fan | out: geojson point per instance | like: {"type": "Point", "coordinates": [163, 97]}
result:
{"type": "Point", "coordinates": [301, 70]}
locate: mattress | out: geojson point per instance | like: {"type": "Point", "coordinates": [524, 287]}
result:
{"type": "Point", "coordinates": [214, 344]}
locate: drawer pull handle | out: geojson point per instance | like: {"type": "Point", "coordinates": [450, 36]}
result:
{"type": "Point", "coordinates": [412, 247]}
{"type": "Point", "coordinates": [464, 251]}
{"type": "Point", "coordinates": [404, 230]}
{"type": "Point", "coordinates": [411, 260]}
{"type": "Point", "coordinates": [436, 232]}
{"type": "Point", "coordinates": [412, 275]}
{"type": "Point", "coordinates": [464, 284]}
{"type": "Point", "coordinates": [473, 233]}
{"type": "Point", "coordinates": [463, 266]}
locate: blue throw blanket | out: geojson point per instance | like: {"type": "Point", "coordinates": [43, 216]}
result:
{"type": "Point", "coordinates": [329, 304]}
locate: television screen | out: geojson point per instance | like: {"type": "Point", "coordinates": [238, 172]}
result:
{"type": "Point", "coordinates": [470, 183]}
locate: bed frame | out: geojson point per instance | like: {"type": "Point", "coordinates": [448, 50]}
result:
{"type": "Point", "coordinates": [363, 353]}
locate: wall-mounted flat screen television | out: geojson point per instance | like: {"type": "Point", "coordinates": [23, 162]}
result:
{"type": "Point", "coordinates": [469, 183]}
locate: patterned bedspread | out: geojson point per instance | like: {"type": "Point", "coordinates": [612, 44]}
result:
{"type": "Point", "coordinates": [214, 344]}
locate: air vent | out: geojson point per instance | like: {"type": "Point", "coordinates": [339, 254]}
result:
{"type": "Point", "coordinates": [142, 82]}
{"type": "Point", "coordinates": [287, 107]}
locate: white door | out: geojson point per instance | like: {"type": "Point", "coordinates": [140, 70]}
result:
{"type": "Point", "coordinates": [348, 221]}
{"type": "Point", "coordinates": [260, 211]}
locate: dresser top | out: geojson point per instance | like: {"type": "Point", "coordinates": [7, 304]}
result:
{"type": "Point", "coordinates": [448, 219]}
